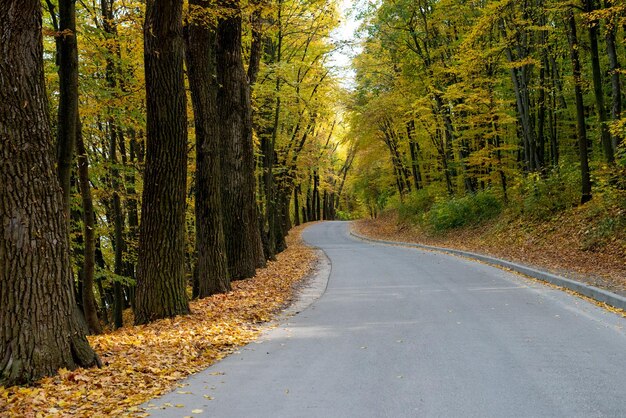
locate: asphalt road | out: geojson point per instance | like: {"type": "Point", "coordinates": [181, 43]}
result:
{"type": "Point", "coordinates": [402, 332]}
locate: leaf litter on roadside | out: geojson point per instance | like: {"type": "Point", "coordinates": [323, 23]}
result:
{"type": "Point", "coordinates": [142, 362]}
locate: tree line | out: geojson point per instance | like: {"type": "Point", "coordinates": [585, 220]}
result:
{"type": "Point", "coordinates": [189, 137]}
{"type": "Point", "coordinates": [494, 95]}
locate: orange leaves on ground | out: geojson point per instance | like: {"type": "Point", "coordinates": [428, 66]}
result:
{"type": "Point", "coordinates": [142, 362]}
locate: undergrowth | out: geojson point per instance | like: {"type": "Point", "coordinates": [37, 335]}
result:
{"type": "Point", "coordinates": [441, 214]}
{"type": "Point", "coordinates": [535, 199]}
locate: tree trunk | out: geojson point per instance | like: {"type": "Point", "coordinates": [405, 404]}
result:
{"type": "Point", "coordinates": [522, 99]}
{"type": "Point", "coordinates": [614, 71]}
{"type": "Point", "coordinates": [272, 212]}
{"type": "Point", "coordinates": [580, 108]}
{"type": "Point", "coordinates": [414, 149]}
{"type": "Point", "coordinates": [132, 210]}
{"type": "Point", "coordinates": [256, 27]}
{"type": "Point", "coordinates": [296, 205]}
{"type": "Point", "coordinates": [605, 135]}
{"type": "Point", "coordinates": [89, 254]}
{"type": "Point", "coordinates": [281, 226]}
{"type": "Point", "coordinates": [118, 226]}
{"type": "Point", "coordinates": [68, 96]}
{"type": "Point", "coordinates": [244, 249]}
{"type": "Point", "coordinates": [38, 335]}
{"type": "Point", "coordinates": [161, 268]}
{"type": "Point", "coordinates": [316, 197]}
{"type": "Point", "coordinates": [211, 265]}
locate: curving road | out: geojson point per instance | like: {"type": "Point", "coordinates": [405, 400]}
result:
{"type": "Point", "coordinates": [402, 332]}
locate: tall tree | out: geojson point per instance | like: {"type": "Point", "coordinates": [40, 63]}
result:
{"type": "Point", "coordinates": [614, 69]}
{"type": "Point", "coordinates": [244, 249]}
{"type": "Point", "coordinates": [581, 129]}
{"type": "Point", "coordinates": [116, 140]}
{"type": "Point", "coordinates": [38, 335]}
{"type": "Point", "coordinates": [68, 96]}
{"type": "Point", "coordinates": [211, 269]}
{"type": "Point", "coordinates": [161, 268]}
{"type": "Point", "coordinates": [598, 89]}
{"type": "Point", "coordinates": [89, 254]}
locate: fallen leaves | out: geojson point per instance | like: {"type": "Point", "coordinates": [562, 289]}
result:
{"type": "Point", "coordinates": [142, 362]}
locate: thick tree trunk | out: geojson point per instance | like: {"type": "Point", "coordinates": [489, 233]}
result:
{"type": "Point", "coordinates": [161, 268]}
{"type": "Point", "coordinates": [211, 265]}
{"type": "Point", "coordinates": [580, 108]}
{"type": "Point", "coordinates": [244, 249]}
{"type": "Point", "coordinates": [68, 96]}
{"type": "Point", "coordinates": [38, 335]}
{"type": "Point", "coordinates": [89, 254]}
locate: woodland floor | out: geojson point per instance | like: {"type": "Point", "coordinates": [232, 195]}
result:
{"type": "Point", "coordinates": [568, 245]}
{"type": "Point", "coordinates": [143, 362]}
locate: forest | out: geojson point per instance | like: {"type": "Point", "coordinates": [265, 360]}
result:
{"type": "Point", "coordinates": [482, 105]}
{"type": "Point", "coordinates": [148, 147]}
{"type": "Point", "coordinates": [156, 152]}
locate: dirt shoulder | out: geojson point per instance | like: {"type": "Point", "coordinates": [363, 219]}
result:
{"type": "Point", "coordinates": [565, 245]}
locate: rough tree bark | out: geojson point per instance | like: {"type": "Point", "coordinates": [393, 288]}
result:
{"type": "Point", "coordinates": [211, 267]}
{"type": "Point", "coordinates": [161, 267]}
{"type": "Point", "coordinates": [68, 96]}
{"type": "Point", "coordinates": [244, 249]}
{"type": "Point", "coordinates": [40, 326]}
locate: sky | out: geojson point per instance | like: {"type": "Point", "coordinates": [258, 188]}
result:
{"type": "Point", "coordinates": [341, 58]}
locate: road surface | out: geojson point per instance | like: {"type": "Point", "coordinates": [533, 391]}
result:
{"type": "Point", "coordinates": [402, 332]}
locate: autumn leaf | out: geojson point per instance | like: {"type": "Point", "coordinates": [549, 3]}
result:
{"type": "Point", "coordinates": [143, 362]}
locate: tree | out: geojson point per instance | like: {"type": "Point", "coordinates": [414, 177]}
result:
{"type": "Point", "coordinates": [38, 334]}
{"type": "Point", "coordinates": [68, 96]}
{"type": "Point", "coordinates": [89, 254]}
{"type": "Point", "coordinates": [581, 129]}
{"type": "Point", "coordinates": [598, 89]}
{"type": "Point", "coordinates": [69, 136]}
{"type": "Point", "coordinates": [161, 269]}
{"type": "Point", "coordinates": [244, 250]}
{"type": "Point", "coordinates": [211, 271]}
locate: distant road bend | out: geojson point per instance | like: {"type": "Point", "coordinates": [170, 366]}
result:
{"type": "Point", "coordinates": [402, 332]}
